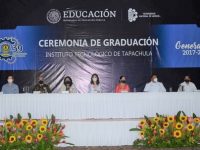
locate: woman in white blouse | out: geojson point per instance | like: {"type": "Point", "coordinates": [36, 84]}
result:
{"type": "Point", "coordinates": [94, 86]}
{"type": "Point", "coordinates": [68, 86]}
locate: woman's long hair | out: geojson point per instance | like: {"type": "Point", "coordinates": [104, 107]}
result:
{"type": "Point", "coordinates": [92, 82]}
{"type": "Point", "coordinates": [70, 79]}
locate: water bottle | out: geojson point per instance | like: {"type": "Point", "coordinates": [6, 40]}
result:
{"type": "Point", "coordinates": [170, 89]}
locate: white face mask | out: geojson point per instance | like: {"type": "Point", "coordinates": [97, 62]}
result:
{"type": "Point", "coordinates": [155, 80]}
{"type": "Point", "coordinates": [10, 80]}
{"type": "Point", "coordinates": [94, 79]}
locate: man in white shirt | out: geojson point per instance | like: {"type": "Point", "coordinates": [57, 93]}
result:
{"type": "Point", "coordinates": [154, 85]}
{"type": "Point", "coordinates": [187, 85]}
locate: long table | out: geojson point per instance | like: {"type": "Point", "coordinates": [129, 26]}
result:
{"type": "Point", "coordinates": [99, 119]}
{"type": "Point", "coordinates": [99, 106]}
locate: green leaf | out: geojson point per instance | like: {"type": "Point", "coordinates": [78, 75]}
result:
{"type": "Point", "coordinates": [66, 136]}
{"type": "Point", "coordinates": [11, 117]}
{"type": "Point", "coordinates": [194, 115]}
{"type": "Point", "coordinates": [19, 117]}
{"type": "Point", "coordinates": [178, 116]}
{"type": "Point", "coordinates": [179, 113]}
{"type": "Point", "coordinates": [135, 129]}
{"type": "Point", "coordinates": [53, 119]}
{"type": "Point", "coordinates": [184, 113]}
{"type": "Point", "coordinates": [70, 144]}
{"type": "Point", "coordinates": [147, 119]}
{"type": "Point", "coordinates": [157, 115]}
{"type": "Point", "coordinates": [29, 115]}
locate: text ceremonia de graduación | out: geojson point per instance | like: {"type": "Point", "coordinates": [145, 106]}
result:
{"type": "Point", "coordinates": [84, 43]}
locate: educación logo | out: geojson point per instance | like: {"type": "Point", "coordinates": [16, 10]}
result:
{"type": "Point", "coordinates": [53, 16]}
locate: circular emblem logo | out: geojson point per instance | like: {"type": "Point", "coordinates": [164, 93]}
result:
{"type": "Point", "coordinates": [53, 16]}
{"type": "Point", "coordinates": [10, 50]}
{"type": "Point", "coordinates": [132, 15]}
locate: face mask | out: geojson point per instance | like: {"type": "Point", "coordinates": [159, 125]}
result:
{"type": "Point", "coordinates": [187, 81]}
{"type": "Point", "coordinates": [94, 79]}
{"type": "Point", "coordinates": [155, 80]}
{"type": "Point", "coordinates": [123, 81]}
{"type": "Point", "coordinates": [68, 82]}
{"type": "Point", "coordinates": [41, 82]}
{"type": "Point", "coordinates": [10, 80]}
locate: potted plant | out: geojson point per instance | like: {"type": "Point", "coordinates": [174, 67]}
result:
{"type": "Point", "coordinates": [31, 134]}
{"type": "Point", "coordinates": [161, 131]}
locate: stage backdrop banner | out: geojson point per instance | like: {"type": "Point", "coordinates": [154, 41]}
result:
{"type": "Point", "coordinates": [111, 39]}
{"type": "Point", "coordinates": [179, 46]}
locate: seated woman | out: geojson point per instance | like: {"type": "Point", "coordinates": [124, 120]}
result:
{"type": "Point", "coordinates": [122, 86]}
{"type": "Point", "coordinates": [68, 86]}
{"type": "Point", "coordinates": [94, 86]}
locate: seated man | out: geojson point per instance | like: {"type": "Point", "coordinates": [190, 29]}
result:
{"type": "Point", "coordinates": [41, 86]}
{"type": "Point", "coordinates": [187, 85]}
{"type": "Point", "coordinates": [154, 85]}
{"type": "Point", "coordinates": [10, 87]}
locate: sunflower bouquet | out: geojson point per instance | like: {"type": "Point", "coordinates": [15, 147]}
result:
{"type": "Point", "coordinates": [31, 134]}
{"type": "Point", "coordinates": [168, 131]}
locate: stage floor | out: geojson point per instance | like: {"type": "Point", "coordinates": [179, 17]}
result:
{"type": "Point", "coordinates": [124, 148]}
{"type": "Point", "coordinates": [99, 148]}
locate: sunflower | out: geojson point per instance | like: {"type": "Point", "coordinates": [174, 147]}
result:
{"type": "Point", "coordinates": [179, 126]}
{"type": "Point", "coordinates": [12, 139]}
{"type": "Point", "coordinates": [28, 139]}
{"type": "Point", "coordinates": [183, 118]}
{"type": "Point", "coordinates": [156, 119]}
{"type": "Point", "coordinates": [196, 120]}
{"type": "Point", "coordinates": [162, 131]}
{"type": "Point", "coordinates": [142, 122]}
{"type": "Point", "coordinates": [24, 121]}
{"type": "Point", "coordinates": [170, 118]}
{"type": "Point", "coordinates": [33, 123]}
{"type": "Point", "coordinates": [177, 134]}
{"type": "Point", "coordinates": [165, 124]}
{"type": "Point", "coordinates": [190, 127]}
{"type": "Point", "coordinates": [9, 124]}
{"type": "Point", "coordinates": [29, 127]}
{"type": "Point", "coordinates": [153, 126]}
{"type": "Point", "coordinates": [44, 122]}
{"type": "Point", "coordinates": [42, 129]}
{"type": "Point", "coordinates": [142, 133]}
{"type": "Point", "coordinates": [39, 136]}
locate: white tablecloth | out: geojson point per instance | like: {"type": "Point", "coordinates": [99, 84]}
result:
{"type": "Point", "coordinates": [105, 128]}
{"type": "Point", "coordinates": [99, 106]}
